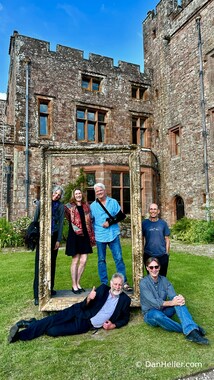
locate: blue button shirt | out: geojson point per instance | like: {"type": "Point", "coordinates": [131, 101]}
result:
{"type": "Point", "coordinates": [99, 216]}
{"type": "Point", "coordinates": [106, 311]}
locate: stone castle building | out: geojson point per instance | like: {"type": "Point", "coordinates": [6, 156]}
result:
{"type": "Point", "coordinates": [60, 99]}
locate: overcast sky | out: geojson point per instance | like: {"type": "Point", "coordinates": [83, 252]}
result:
{"type": "Point", "coordinates": [112, 28]}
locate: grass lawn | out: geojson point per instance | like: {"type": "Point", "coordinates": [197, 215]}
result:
{"type": "Point", "coordinates": [136, 351]}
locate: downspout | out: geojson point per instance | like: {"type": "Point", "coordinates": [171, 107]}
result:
{"type": "Point", "coordinates": [2, 171]}
{"type": "Point", "coordinates": [27, 180]}
{"type": "Point", "coordinates": [203, 114]}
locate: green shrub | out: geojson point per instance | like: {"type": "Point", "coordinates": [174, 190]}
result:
{"type": "Point", "coordinates": [79, 183]}
{"type": "Point", "coordinates": [193, 231]}
{"type": "Point", "coordinates": [12, 233]}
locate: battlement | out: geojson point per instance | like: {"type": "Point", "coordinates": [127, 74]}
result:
{"type": "Point", "coordinates": [36, 47]}
{"type": "Point", "coordinates": [169, 16]}
{"type": "Point", "coordinates": [172, 8]}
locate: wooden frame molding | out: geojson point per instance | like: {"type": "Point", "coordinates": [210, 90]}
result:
{"type": "Point", "coordinates": [131, 154]}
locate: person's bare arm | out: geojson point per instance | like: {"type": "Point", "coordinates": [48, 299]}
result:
{"type": "Point", "coordinates": [178, 300]}
{"type": "Point", "coordinates": [167, 239]}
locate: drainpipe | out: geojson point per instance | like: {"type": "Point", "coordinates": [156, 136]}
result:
{"type": "Point", "coordinates": [27, 180]}
{"type": "Point", "coordinates": [2, 171]}
{"type": "Point", "coordinates": [203, 115]}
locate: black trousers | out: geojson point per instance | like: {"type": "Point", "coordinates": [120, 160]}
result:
{"type": "Point", "coordinates": [164, 261]}
{"type": "Point", "coordinates": [65, 322]}
{"type": "Point", "coordinates": [54, 254]}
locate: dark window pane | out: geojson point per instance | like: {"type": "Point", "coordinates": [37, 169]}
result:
{"type": "Point", "coordinates": [126, 207]}
{"type": "Point", "coordinates": [142, 133]}
{"type": "Point", "coordinates": [134, 92]}
{"type": "Point", "coordinates": [43, 125]}
{"type": "Point", "coordinates": [116, 194]}
{"type": "Point", "coordinates": [80, 114]}
{"type": "Point", "coordinates": [126, 180]}
{"type": "Point", "coordinates": [142, 90]}
{"type": "Point", "coordinates": [90, 179]}
{"type": "Point", "coordinates": [101, 117]}
{"type": "Point", "coordinates": [80, 131]}
{"type": "Point", "coordinates": [134, 135]}
{"type": "Point", "coordinates": [134, 122]}
{"type": "Point", "coordinates": [90, 195]}
{"type": "Point", "coordinates": [142, 121]}
{"type": "Point", "coordinates": [101, 133]}
{"type": "Point", "coordinates": [115, 179]}
{"type": "Point", "coordinates": [91, 132]}
{"type": "Point", "coordinates": [126, 195]}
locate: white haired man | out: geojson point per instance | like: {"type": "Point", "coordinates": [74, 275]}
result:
{"type": "Point", "coordinates": [105, 307]}
{"type": "Point", "coordinates": [107, 232]}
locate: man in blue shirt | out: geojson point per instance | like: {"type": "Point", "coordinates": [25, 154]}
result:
{"type": "Point", "coordinates": [156, 235]}
{"type": "Point", "coordinates": [159, 302]}
{"type": "Point", "coordinates": [107, 233]}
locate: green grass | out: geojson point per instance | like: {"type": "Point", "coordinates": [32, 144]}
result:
{"type": "Point", "coordinates": [136, 351]}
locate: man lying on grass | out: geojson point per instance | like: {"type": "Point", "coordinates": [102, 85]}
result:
{"type": "Point", "coordinates": [159, 303]}
{"type": "Point", "coordinates": [106, 307]}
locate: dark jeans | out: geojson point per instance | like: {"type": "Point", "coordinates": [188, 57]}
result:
{"type": "Point", "coordinates": [53, 266]}
{"type": "Point", "coordinates": [164, 261]}
{"type": "Point", "coordinates": [65, 322]}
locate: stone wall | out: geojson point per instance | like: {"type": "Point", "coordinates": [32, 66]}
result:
{"type": "Point", "coordinates": [57, 76]}
{"type": "Point", "coordinates": [171, 51]}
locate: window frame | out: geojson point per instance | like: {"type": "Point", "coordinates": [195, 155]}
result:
{"type": "Point", "coordinates": [139, 131]}
{"type": "Point", "coordinates": [139, 91]}
{"type": "Point", "coordinates": [47, 115]}
{"type": "Point", "coordinates": [87, 122]}
{"type": "Point", "coordinates": [175, 141]}
{"type": "Point", "coordinates": [121, 188]}
{"type": "Point", "coordinates": [91, 81]}
{"type": "Point", "coordinates": [88, 187]}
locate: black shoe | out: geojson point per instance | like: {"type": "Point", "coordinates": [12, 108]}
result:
{"type": "Point", "coordinates": [81, 290]}
{"type": "Point", "coordinates": [13, 334]}
{"type": "Point", "coordinates": [195, 337]}
{"type": "Point", "coordinates": [53, 292]}
{"type": "Point", "coordinates": [25, 323]}
{"type": "Point", "coordinates": [78, 291]}
{"type": "Point", "coordinates": [36, 301]}
{"type": "Point", "coordinates": [201, 331]}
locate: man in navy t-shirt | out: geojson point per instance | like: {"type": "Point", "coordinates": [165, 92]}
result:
{"type": "Point", "coordinates": [156, 238]}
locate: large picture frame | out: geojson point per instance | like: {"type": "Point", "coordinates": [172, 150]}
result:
{"type": "Point", "coordinates": [131, 154]}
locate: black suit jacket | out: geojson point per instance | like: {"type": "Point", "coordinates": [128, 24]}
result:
{"type": "Point", "coordinates": [121, 315]}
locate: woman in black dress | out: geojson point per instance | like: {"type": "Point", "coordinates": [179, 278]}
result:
{"type": "Point", "coordinates": [80, 237]}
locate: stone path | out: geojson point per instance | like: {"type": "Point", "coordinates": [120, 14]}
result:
{"type": "Point", "coordinates": [199, 250]}
{"type": "Point", "coordinates": [209, 375]}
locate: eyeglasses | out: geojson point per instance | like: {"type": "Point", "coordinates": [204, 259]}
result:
{"type": "Point", "coordinates": [153, 267]}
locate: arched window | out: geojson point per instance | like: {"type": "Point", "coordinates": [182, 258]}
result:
{"type": "Point", "coordinates": [179, 207]}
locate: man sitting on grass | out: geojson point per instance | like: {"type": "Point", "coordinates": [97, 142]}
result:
{"type": "Point", "coordinates": [159, 303]}
{"type": "Point", "coordinates": [106, 307]}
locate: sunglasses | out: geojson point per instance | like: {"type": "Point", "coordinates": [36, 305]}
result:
{"type": "Point", "coordinates": [153, 267]}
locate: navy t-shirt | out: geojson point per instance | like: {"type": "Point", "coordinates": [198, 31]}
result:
{"type": "Point", "coordinates": [154, 234]}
